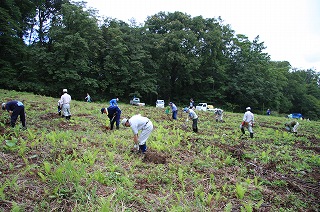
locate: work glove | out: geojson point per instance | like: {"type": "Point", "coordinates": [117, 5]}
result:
{"type": "Point", "coordinates": [243, 123]}
{"type": "Point", "coordinates": [187, 120]}
{"type": "Point", "coordinates": [136, 147]}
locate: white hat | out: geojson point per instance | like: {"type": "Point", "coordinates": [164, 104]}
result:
{"type": "Point", "coordinates": [248, 108]}
{"type": "Point", "coordinates": [124, 121]}
{"type": "Point", "coordinates": [65, 91]}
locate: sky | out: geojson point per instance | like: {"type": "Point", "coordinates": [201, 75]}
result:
{"type": "Point", "coordinates": [290, 29]}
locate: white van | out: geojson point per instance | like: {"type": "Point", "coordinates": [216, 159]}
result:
{"type": "Point", "coordinates": [160, 103]}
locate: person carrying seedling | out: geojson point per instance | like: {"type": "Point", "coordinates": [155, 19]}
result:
{"type": "Point", "coordinates": [219, 115]}
{"type": "Point", "coordinates": [113, 113]}
{"type": "Point", "coordinates": [15, 109]}
{"type": "Point", "coordinates": [192, 115]}
{"type": "Point", "coordinates": [137, 123]}
{"type": "Point", "coordinates": [65, 104]}
{"type": "Point", "coordinates": [114, 102]}
{"type": "Point", "coordinates": [247, 122]}
{"type": "Point", "coordinates": [292, 126]}
{"type": "Point", "coordinates": [174, 110]}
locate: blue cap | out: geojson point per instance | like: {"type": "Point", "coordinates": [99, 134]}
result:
{"type": "Point", "coordinates": [185, 109]}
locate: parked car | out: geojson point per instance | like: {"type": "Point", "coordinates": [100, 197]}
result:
{"type": "Point", "coordinates": [204, 107]}
{"type": "Point", "coordinates": [136, 101]}
{"type": "Point", "coordinates": [295, 116]}
{"type": "Point", "coordinates": [160, 103]}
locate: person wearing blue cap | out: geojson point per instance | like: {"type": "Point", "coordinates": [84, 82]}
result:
{"type": "Point", "coordinates": [114, 102]}
{"type": "Point", "coordinates": [192, 115]}
{"type": "Point", "coordinates": [113, 113]}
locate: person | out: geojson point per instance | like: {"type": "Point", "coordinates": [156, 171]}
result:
{"type": "Point", "coordinates": [113, 113]}
{"type": "Point", "coordinates": [247, 122]}
{"type": "Point", "coordinates": [65, 104]}
{"type": "Point", "coordinates": [88, 98]}
{"type": "Point", "coordinates": [268, 112]}
{"type": "Point", "coordinates": [15, 109]}
{"type": "Point", "coordinates": [194, 118]}
{"type": "Point", "coordinates": [137, 123]}
{"type": "Point", "coordinates": [59, 107]}
{"type": "Point", "coordinates": [192, 106]}
{"type": "Point", "coordinates": [114, 102]}
{"type": "Point", "coordinates": [174, 110]}
{"type": "Point", "coordinates": [219, 114]}
{"type": "Point", "coordinates": [292, 126]}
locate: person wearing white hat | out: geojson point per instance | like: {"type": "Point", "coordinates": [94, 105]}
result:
{"type": "Point", "coordinates": [247, 122]}
{"type": "Point", "coordinates": [137, 123]}
{"type": "Point", "coordinates": [65, 104]}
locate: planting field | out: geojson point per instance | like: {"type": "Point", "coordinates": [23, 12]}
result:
{"type": "Point", "coordinates": [80, 165]}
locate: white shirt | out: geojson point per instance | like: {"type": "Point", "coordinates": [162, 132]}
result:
{"type": "Point", "coordinates": [248, 116]}
{"type": "Point", "coordinates": [192, 114]}
{"type": "Point", "coordinates": [65, 99]}
{"type": "Point", "coordinates": [138, 122]}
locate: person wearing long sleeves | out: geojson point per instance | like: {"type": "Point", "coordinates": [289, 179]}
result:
{"type": "Point", "coordinates": [174, 110]}
{"type": "Point", "coordinates": [192, 115]}
{"type": "Point", "coordinates": [65, 104]}
{"type": "Point", "coordinates": [15, 109]}
{"type": "Point", "coordinates": [247, 122]}
{"type": "Point", "coordinates": [139, 123]}
{"type": "Point", "coordinates": [114, 114]}
{"type": "Point", "coordinates": [114, 102]}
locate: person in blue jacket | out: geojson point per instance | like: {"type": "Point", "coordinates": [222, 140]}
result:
{"type": "Point", "coordinates": [114, 102]}
{"type": "Point", "coordinates": [15, 109]}
{"type": "Point", "coordinates": [113, 113]}
{"type": "Point", "coordinates": [174, 110]}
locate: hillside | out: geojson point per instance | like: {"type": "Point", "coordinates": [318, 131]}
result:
{"type": "Point", "coordinates": [80, 165]}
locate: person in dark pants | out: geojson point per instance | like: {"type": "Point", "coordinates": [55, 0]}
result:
{"type": "Point", "coordinates": [15, 109]}
{"type": "Point", "coordinates": [114, 114]}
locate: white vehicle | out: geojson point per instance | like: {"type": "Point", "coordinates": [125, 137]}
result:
{"type": "Point", "coordinates": [204, 107]}
{"type": "Point", "coordinates": [160, 103]}
{"type": "Point", "coordinates": [136, 101]}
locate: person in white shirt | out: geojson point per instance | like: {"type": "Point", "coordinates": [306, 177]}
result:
{"type": "Point", "coordinates": [192, 115]}
{"type": "Point", "coordinates": [65, 104]}
{"type": "Point", "coordinates": [247, 122]}
{"type": "Point", "coordinates": [137, 123]}
{"type": "Point", "coordinates": [219, 115]}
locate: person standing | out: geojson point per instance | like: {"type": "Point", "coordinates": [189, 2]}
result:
{"type": "Point", "coordinates": [15, 109]}
{"type": "Point", "coordinates": [88, 98]}
{"type": "Point", "coordinates": [65, 104]}
{"type": "Point", "coordinates": [219, 115]}
{"type": "Point", "coordinates": [113, 113]}
{"type": "Point", "coordinates": [192, 106]}
{"type": "Point", "coordinates": [137, 123]}
{"type": "Point", "coordinates": [292, 126]}
{"type": "Point", "coordinates": [114, 102]}
{"type": "Point", "coordinates": [268, 112]}
{"type": "Point", "coordinates": [247, 122]}
{"type": "Point", "coordinates": [174, 110]}
{"type": "Point", "coordinates": [192, 115]}
{"type": "Point", "coordinates": [59, 107]}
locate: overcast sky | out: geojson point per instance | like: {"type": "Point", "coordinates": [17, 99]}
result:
{"type": "Point", "coordinates": [290, 29]}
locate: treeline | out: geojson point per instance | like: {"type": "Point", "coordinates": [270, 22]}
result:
{"type": "Point", "coordinates": [47, 45]}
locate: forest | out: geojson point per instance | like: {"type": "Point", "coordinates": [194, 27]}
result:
{"type": "Point", "coordinates": [48, 45]}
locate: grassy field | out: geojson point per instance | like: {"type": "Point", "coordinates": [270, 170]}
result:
{"type": "Point", "coordinates": [80, 165]}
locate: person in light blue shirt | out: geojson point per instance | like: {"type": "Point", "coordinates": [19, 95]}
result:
{"type": "Point", "coordinates": [192, 115]}
{"type": "Point", "coordinates": [15, 109]}
{"type": "Point", "coordinates": [174, 110]}
{"type": "Point", "coordinates": [114, 102]}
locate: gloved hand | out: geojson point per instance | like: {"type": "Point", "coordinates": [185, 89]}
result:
{"type": "Point", "coordinates": [187, 120]}
{"type": "Point", "coordinates": [136, 147]}
{"type": "Point", "coordinates": [243, 123]}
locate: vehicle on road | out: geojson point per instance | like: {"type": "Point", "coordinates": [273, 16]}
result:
{"type": "Point", "coordinates": [295, 116]}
